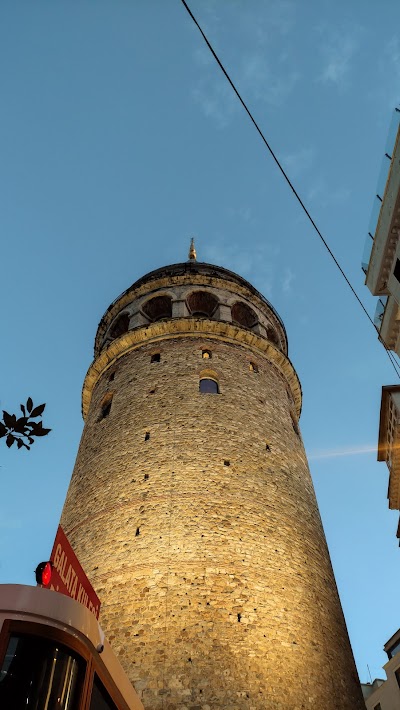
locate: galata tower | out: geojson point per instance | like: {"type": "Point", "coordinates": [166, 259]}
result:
{"type": "Point", "coordinates": [191, 506]}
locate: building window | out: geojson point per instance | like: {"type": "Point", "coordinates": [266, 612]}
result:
{"type": "Point", "coordinates": [397, 674]}
{"type": "Point", "coordinates": [378, 707]}
{"type": "Point", "coordinates": [105, 407]}
{"type": "Point", "coordinates": [208, 386]}
{"type": "Point", "coordinates": [393, 650]}
{"type": "Point", "coordinates": [253, 367]}
{"type": "Point", "coordinates": [156, 357]}
{"type": "Point", "coordinates": [206, 354]}
{"type": "Point", "coordinates": [396, 272]}
{"type": "Point", "coordinates": [391, 427]}
{"type": "Point", "coordinates": [36, 673]}
{"type": "Point", "coordinates": [100, 698]}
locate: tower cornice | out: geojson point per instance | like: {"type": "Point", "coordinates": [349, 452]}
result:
{"type": "Point", "coordinates": [189, 327]}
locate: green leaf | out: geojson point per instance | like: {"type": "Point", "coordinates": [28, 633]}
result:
{"type": "Point", "coordinates": [29, 404]}
{"type": "Point", "coordinates": [23, 410]}
{"type": "Point", "coordinates": [3, 430]}
{"type": "Point", "coordinates": [20, 443]}
{"type": "Point", "coordinates": [38, 410]}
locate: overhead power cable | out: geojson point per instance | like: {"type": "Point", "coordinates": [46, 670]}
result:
{"type": "Point", "coordinates": [289, 182]}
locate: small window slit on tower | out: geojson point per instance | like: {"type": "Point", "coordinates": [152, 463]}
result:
{"type": "Point", "coordinates": [137, 532]}
{"type": "Point", "coordinates": [105, 407]}
{"type": "Point", "coordinates": [227, 462]}
{"type": "Point", "coordinates": [206, 354]}
{"type": "Point", "coordinates": [239, 617]}
{"type": "Point", "coordinates": [147, 436]}
{"type": "Point", "coordinates": [253, 367]}
{"type": "Point", "coordinates": [295, 424]}
{"type": "Point", "coordinates": [156, 357]}
{"type": "Point", "coordinates": [105, 411]}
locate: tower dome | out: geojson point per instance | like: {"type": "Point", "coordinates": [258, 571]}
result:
{"type": "Point", "coordinates": [191, 506]}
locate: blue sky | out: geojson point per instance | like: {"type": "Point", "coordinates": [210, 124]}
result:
{"type": "Point", "coordinates": [120, 139]}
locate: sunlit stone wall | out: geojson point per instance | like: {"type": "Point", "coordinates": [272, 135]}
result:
{"type": "Point", "coordinates": [195, 518]}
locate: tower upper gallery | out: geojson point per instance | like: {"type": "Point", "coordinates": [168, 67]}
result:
{"type": "Point", "coordinates": [190, 297]}
{"type": "Point", "coordinates": [191, 289]}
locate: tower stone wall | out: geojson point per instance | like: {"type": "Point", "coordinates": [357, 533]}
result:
{"type": "Point", "coordinates": [194, 514]}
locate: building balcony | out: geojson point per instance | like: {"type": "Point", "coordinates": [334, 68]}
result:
{"type": "Point", "coordinates": [381, 259]}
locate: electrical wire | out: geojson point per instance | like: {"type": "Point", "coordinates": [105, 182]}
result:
{"type": "Point", "coordinates": [286, 177]}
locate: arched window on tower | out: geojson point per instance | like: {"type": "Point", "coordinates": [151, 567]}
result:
{"type": "Point", "coordinates": [120, 326]}
{"type": "Point", "coordinates": [208, 382]}
{"type": "Point", "coordinates": [273, 336]}
{"type": "Point", "coordinates": [243, 315]}
{"type": "Point", "coordinates": [158, 308]}
{"type": "Point", "coordinates": [202, 303]}
{"type": "Point", "coordinates": [208, 386]}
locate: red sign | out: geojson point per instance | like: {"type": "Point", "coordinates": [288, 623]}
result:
{"type": "Point", "coordinates": [68, 576]}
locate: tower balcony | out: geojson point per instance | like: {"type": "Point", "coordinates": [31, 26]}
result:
{"type": "Point", "coordinates": [191, 290]}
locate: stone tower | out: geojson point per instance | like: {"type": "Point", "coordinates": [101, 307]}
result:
{"type": "Point", "coordinates": [191, 505]}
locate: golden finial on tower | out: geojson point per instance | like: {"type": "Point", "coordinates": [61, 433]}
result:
{"type": "Point", "coordinates": [192, 251]}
